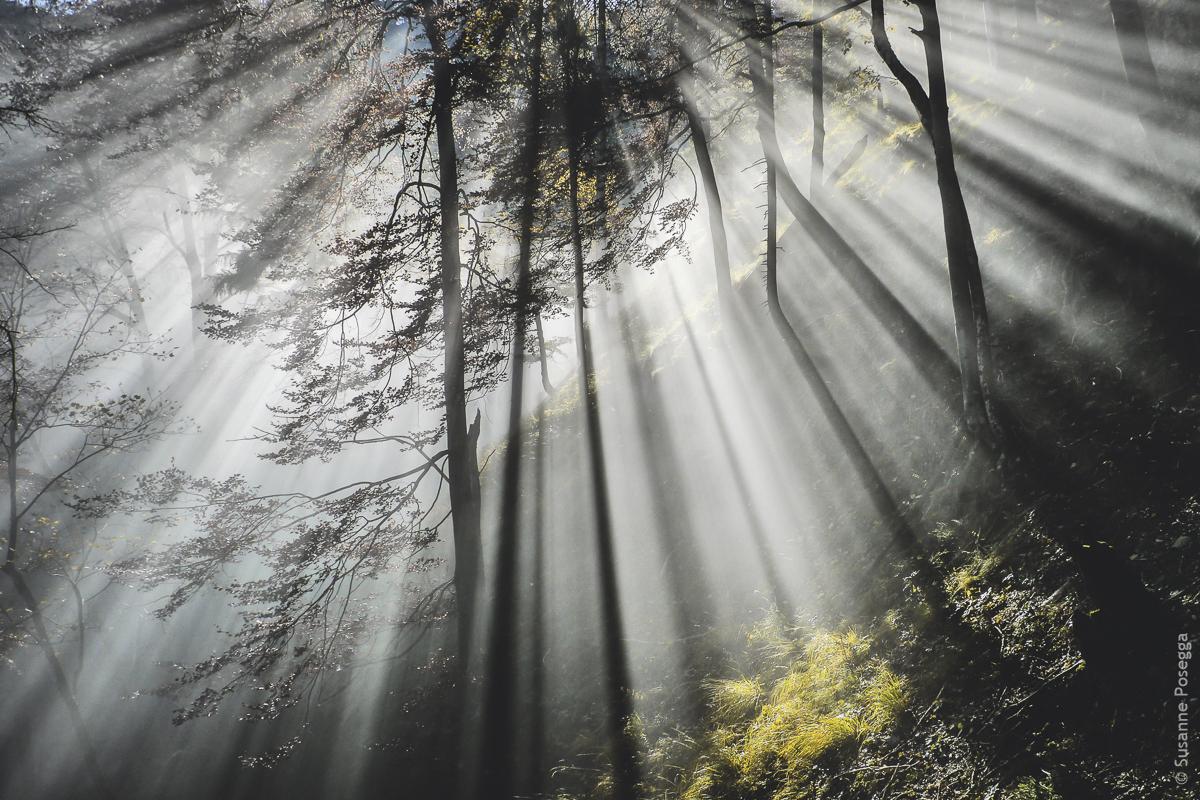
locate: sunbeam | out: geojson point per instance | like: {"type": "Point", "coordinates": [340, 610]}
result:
{"type": "Point", "coordinates": [599, 399]}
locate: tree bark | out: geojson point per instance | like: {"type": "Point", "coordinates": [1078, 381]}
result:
{"type": "Point", "coordinates": [498, 775]}
{"type": "Point", "coordinates": [716, 215]}
{"type": "Point", "coordinates": [762, 81]}
{"type": "Point", "coordinates": [626, 771]}
{"type": "Point", "coordinates": [900, 531]}
{"type": "Point", "coordinates": [972, 329]}
{"type": "Point", "coordinates": [708, 176]}
{"type": "Point", "coordinates": [620, 700]}
{"type": "Point", "coordinates": [602, 71]}
{"type": "Point", "coordinates": [462, 462]}
{"type": "Point", "coordinates": [543, 364]}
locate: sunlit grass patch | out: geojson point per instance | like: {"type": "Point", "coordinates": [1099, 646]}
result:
{"type": "Point", "coordinates": [832, 694]}
{"type": "Point", "coordinates": [736, 698]}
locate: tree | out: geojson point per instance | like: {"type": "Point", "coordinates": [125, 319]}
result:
{"type": "Point", "coordinates": [691, 53]}
{"type": "Point", "coordinates": [972, 329]}
{"type": "Point", "coordinates": [61, 325]}
{"type": "Point", "coordinates": [497, 778]}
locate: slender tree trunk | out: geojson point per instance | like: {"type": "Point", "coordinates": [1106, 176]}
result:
{"type": "Point", "coordinates": [903, 535]}
{"type": "Point", "coordinates": [537, 641]}
{"type": "Point", "coordinates": [61, 682]}
{"type": "Point", "coordinates": [498, 778]}
{"type": "Point", "coordinates": [10, 448]}
{"type": "Point", "coordinates": [602, 71]}
{"type": "Point", "coordinates": [626, 771]}
{"type": "Point", "coordinates": [960, 241]}
{"type": "Point", "coordinates": [461, 439]}
{"type": "Point", "coordinates": [81, 628]}
{"type": "Point", "coordinates": [716, 215]}
{"type": "Point", "coordinates": [543, 364]}
{"type": "Point", "coordinates": [972, 329]}
{"type": "Point", "coordinates": [620, 700]}
{"type": "Point", "coordinates": [762, 80]}
{"type": "Point", "coordinates": [688, 79]}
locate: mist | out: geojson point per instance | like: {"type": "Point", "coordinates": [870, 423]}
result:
{"type": "Point", "coordinates": [619, 399]}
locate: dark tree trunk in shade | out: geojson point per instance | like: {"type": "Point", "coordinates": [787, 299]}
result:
{"type": "Point", "coordinates": [498, 776]}
{"type": "Point", "coordinates": [543, 358]}
{"type": "Point", "coordinates": [691, 52]}
{"type": "Point", "coordinates": [461, 439]}
{"type": "Point", "coordinates": [716, 215]}
{"type": "Point", "coordinates": [1126, 608]}
{"type": "Point", "coordinates": [536, 753]}
{"type": "Point", "coordinates": [618, 687]}
{"type": "Point", "coordinates": [971, 326]}
{"type": "Point", "coordinates": [901, 532]}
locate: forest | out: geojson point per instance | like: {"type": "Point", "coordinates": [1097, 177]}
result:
{"type": "Point", "coordinates": [599, 399]}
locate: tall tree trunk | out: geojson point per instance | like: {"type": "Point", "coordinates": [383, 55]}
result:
{"type": "Point", "coordinates": [61, 682]}
{"type": "Point", "coordinates": [602, 71]}
{"type": "Point", "coordinates": [626, 771]}
{"type": "Point", "coordinates": [712, 202]}
{"type": "Point", "coordinates": [691, 52]}
{"type": "Point", "coordinates": [972, 329]}
{"type": "Point", "coordinates": [543, 364]}
{"type": "Point", "coordinates": [760, 51]}
{"type": "Point", "coordinates": [498, 775]}
{"type": "Point", "coordinates": [620, 699]}
{"type": "Point", "coordinates": [902, 534]}
{"type": "Point", "coordinates": [189, 250]}
{"type": "Point", "coordinates": [535, 779]}
{"type": "Point", "coordinates": [461, 440]}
